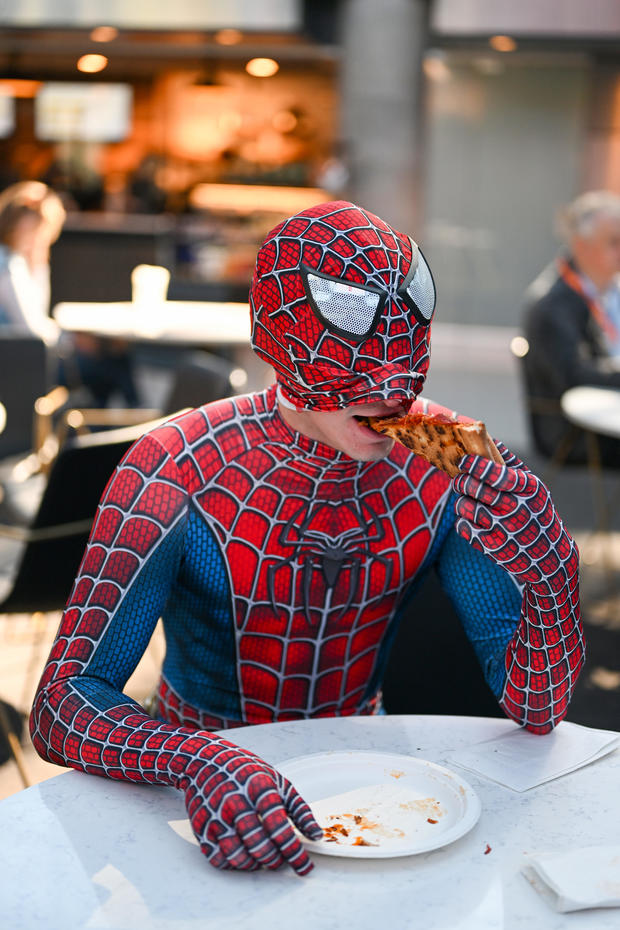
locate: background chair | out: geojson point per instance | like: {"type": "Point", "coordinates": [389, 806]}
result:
{"type": "Point", "coordinates": [432, 668]}
{"type": "Point", "coordinates": [23, 378]}
{"type": "Point", "coordinates": [552, 435]}
{"type": "Point", "coordinates": [199, 378]}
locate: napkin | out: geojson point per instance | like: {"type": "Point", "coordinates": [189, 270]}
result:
{"type": "Point", "coordinates": [521, 760]}
{"type": "Point", "coordinates": [581, 878]}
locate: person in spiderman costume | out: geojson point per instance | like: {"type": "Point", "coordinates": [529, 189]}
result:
{"type": "Point", "coordinates": [280, 539]}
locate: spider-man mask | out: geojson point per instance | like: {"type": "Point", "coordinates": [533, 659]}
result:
{"type": "Point", "coordinates": [341, 309]}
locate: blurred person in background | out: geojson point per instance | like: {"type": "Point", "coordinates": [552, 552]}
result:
{"type": "Point", "coordinates": [572, 320]}
{"type": "Point", "coordinates": [147, 195]}
{"type": "Point", "coordinates": [31, 219]}
{"type": "Point", "coordinates": [281, 540]}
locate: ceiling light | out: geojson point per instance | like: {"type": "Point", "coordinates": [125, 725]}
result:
{"type": "Point", "coordinates": [502, 43]}
{"type": "Point", "coordinates": [228, 36]}
{"type": "Point", "coordinates": [90, 64]}
{"type": "Point", "coordinates": [284, 121]}
{"type": "Point", "coordinates": [104, 34]}
{"type": "Point", "coordinates": [262, 67]}
{"type": "Point", "coordinates": [248, 198]}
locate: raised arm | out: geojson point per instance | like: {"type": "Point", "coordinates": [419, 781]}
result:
{"type": "Point", "coordinates": [239, 806]}
{"type": "Point", "coordinates": [507, 513]}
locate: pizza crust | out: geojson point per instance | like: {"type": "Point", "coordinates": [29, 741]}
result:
{"type": "Point", "coordinates": [438, 439]}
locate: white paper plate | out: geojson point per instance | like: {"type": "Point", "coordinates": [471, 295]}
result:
{"type": "Point", "coordinates": [403, 805]}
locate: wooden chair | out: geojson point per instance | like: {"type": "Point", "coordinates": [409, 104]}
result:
{"type": "Point", "coordinates": [200, 378]}
{"type": "Point", "coordinates": [537, 409]}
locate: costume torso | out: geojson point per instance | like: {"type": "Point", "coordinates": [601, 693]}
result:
{"type": "Point", "coordinates": [284, 561]}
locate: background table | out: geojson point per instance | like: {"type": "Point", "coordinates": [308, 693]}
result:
{"type": "Point", "coordinates": [183, 322]}
{"type": "Point", "coordinates": [596, 409]}
{"type": "Point", "coordinates": [82, 851]}
{"type": "Point", "coordinates": [173, 324]}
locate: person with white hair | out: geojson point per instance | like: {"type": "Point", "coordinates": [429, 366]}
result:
{"type": "Point", "coordinates": [572, 321]}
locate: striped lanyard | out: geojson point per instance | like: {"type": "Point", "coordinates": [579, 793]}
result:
{"type": "Point", "coordinates": [572, 279]}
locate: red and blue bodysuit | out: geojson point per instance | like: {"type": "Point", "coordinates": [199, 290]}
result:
{"type": "Point", "coordinates": [282, 567]}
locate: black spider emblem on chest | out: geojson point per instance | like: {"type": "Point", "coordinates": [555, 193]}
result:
{"type": "Point", "coordinates": [329, 539]}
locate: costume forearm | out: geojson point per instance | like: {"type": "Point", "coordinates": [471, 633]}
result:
{"type": "Point", "coordinates": [544, 658]}
{"type": "Point", "coordinates": [240, 808]}
{"type": "Point", "coordinates": [70, 725]}
{"type": "Point", "coordinates": [507, 513]}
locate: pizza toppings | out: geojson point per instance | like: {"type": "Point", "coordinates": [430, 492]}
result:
{"type": "Point", "coordinates": [438, 438]}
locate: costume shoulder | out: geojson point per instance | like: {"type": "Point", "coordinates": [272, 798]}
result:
{"type": "Point", "coordinates": [211, 436]}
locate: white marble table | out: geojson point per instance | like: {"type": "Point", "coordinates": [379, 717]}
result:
{"type": "Point", "coordinates": [177, 322]}
{"type": "Point", "coordinates": [84, 852]}
{"type": "Point", "coordinates": [593, 408]}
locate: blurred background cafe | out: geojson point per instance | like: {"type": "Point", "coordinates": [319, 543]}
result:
{"type": "Point", "coordinates": [178, 134]}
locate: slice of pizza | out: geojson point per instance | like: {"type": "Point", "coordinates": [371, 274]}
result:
{"type": "Point", "coordinates": [438, 438]}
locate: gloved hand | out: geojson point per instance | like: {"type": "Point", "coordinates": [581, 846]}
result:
{"type": "Point", "coordinates": [506, 512]}
{"type": "Point", "coordinates": [240, 808]}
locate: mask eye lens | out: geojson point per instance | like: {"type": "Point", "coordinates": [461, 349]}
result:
{"type": "Point", "coordinates": [421, 290]}
{"type": "Point", "coordinates": [343, 307]}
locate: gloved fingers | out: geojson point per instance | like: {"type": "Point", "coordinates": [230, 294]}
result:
{"type": "Point", "coordinates": [236, 854]}
{"type": "Point", "coordinates": [212, 852]}
{"type": "Point", "coordinates": [474, 513]}
{"type": "Point", "coordinates": [484, 537]}
{"type": "Point", "coordinates": [297, 809]}
{"type": "Point", "coordinates": [224, 848]}
{"type": "Point", "coordinates": [218, 860]}
{"type": "Point", "coordinates": [259, 845]}
{"type": "Point", "coordinates": [494, 531]}
{"type": "Point", "coordinates": [502, 549]}
{"type": "Point", "coordinates": [501, 477]}
{"type": "Point", "coordinates": [465, 529]}
{"type": "Point", "coordinates": [280, 831]}
{"type": "Point", "coordinates": [509, 457]}
{"type": "Point", "coordinates": [507, 511]}
{"type": "Point", "coordinates": [501, 502]}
